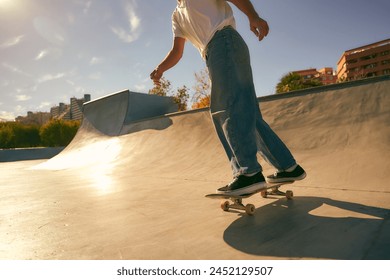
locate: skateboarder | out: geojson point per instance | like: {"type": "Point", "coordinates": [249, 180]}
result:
{"type": "Point", "coordinates": [210, 26]}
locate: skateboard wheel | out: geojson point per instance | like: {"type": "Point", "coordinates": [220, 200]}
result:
{"type": "Point", "coordinates": [250, 209]}
{"type": "Point", "coordinates": [264, 194]}
{"type": "Point", "coordinates": [225, 205]}
{"type": "Point", "coordinates": [289, 194]}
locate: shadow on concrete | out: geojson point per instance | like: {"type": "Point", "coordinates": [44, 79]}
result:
{"type": "Point", "coordinates": [306, 227]}
{"type": "Point", "coordinates": [109, 114]}
{"type": "Point", "coordinates": [158, 123]}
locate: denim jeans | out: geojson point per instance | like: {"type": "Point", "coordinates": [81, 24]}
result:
{"type": "Point", "coordinates": [235, 110]}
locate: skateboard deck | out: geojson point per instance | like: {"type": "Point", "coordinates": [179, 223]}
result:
{"type": "Point", "coordinates": [271, 189]}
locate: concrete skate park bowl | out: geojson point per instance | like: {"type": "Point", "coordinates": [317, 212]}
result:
{"type": "Point", "coordinates": [8, 155]}
{"type": "Point", "coordinates": [134, 189]}
{"type": "Point", "coordinates": [109, 115]}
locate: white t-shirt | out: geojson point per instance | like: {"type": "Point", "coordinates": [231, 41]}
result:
{"type": "Point", "coordinates": [198, 20]}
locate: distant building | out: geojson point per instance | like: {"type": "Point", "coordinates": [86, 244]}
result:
{"type": "Point", "coordinates": [62, 111]}
{"type": "Point", "coordinates": [366, 61]}
{"type": "Point", "coordinates": [37, 118]}
{"type": "Point", "coordinates": [59, 111]}
{"type": "Point", "coordinates": [325, 75]}
{"type": "Point", "coordinates": [72, 111]}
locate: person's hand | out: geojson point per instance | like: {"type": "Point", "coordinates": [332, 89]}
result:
{"type": "Point", "coordinates": [259, 27]}
{"type": "Point", "coordinates": [156, 76]}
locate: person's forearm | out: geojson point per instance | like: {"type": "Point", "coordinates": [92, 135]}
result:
{"type": "Point", "coordinates": [174, 55]}
{"type": "Point", "coordinates": [172, 58]}
{"type": "Point", "coordinates": [257, 25]}
{"type": "Point", "coordinates": [246, 7]}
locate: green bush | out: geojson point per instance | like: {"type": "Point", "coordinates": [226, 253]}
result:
{"type": "Point", "coordinates": [6, 136]}
{"type": "Point", "coordinates": [55, 133]}
{"type": "Point", "coordinates": [58, 133]}
{"type": "Point", "coordinates": [17, 135]}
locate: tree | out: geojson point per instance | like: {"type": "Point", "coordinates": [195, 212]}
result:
{"type": "Point", "coordinates": [58, 133]}
{"type": "Point", "coordinates": [6, 136]}
{"type": "Point", "coordinates": [163, 90]}
{"type": "Point", "coordinates": [293, 81]}
{"type": "Point", "coordinates": [26, 136]}
{"type": "Point", "coordinates": [202, 88]}
{"type": "Point", "coordinates": [180, 97]}
{"type": "Point", "coordinates": [202, 103]}
{"type": "Point", "coordinates": [17, 135]}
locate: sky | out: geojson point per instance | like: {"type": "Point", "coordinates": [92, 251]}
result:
{"type": "Point", "coordinates": [52, 50]}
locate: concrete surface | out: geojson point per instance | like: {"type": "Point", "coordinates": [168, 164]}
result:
{"type": "Point", "coordinates": [8, 155]}
{"type": "Point", "coordinates": [140, 194]}
{"type": "Point", "coordinates": [110, 113]}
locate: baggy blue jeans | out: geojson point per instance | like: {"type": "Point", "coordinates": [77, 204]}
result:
{"type": "Point", "coordinates": [235, 110]}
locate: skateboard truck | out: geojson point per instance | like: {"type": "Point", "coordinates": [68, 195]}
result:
{"type": "Point", "coordinates": [271, 190]}
{"type": "Point", "coordinates": [237, 204]}
{"type": "Point", "coordinates": [275, 191]}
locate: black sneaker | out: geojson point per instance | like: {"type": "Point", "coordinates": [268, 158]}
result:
{"type": "Point", "coordinates": [283, 176]}
{"type": "Point", "coordinates": [244, 185]}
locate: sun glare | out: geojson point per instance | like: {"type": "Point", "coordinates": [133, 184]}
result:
{"type": "Point", "coordinates": [7, 3]}
{"type": "Point", "coordinates": [14, 7]}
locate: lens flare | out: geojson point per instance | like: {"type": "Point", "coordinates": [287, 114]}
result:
{"type": "Point", "coordinates": [6, 4]}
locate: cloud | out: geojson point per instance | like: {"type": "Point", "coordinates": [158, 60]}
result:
{"type": "Point", "coordinates": [44, 105]}
{"type": "Point", "coordinates": [7, 116]}
{"type": "Point", "coordinates": [15, 69]}
{"type": "Point", "coordinates": [22, 97]}
{"type": "Point", "coordinates": [41, 54]}
{"type": "Point", "coordinates": [70, 82]}
{"type": "Point", "coordinates": [96, 60]}
{"type": "Point", "coordinates": [50, 30]}
{"type": "Point", "coordinates": [12, 42]}
{"type": "Point", "coordinates": [50, 77]}
{"type": "Point", "coordinates": [134, 22]}
{"type": "Point", "coordinates": [19, 110]}
{"type": "Point", "coordinates": [49, 52]}
{"type": "Point", "coordinates": [80, 90]}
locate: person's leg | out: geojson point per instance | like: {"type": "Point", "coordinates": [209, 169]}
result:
{"type": "Point", "coordinates": [271, 147]}
{"type": "Point", "coordinates": [276, 153]}
{"type": "Point", "coordinates": [236, 113]}
{"type": "Point", "coordinates": [233, 103]}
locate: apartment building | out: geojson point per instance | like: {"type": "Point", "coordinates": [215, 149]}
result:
{"type": "Point", "coordinates": [72, 111]}
{"type": "Point", "coordinates": [366, 61]}
{"type": "Point", "coordinates": [36, 118]}
{"type": "Point", "coordinates": [325, 75]}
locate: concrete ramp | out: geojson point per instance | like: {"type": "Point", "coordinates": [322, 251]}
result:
{"type": "Point", "coordinates": [9, 155]}
{"type": "Point", "coordinates": [104, 118]}
{"type": "Point", "coordinates": [110, 113]}
{"type": "Point", "coordinates": [137, 191]}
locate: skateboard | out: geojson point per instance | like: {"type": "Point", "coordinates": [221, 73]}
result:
{"type": "Point", "coordinates": [250, 208]}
